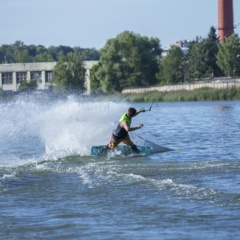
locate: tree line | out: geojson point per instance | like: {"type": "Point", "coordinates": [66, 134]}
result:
{"type": "Point", "coordinates": [132, 60]}
{"type": "Point", "coordinates": [22, 53]}
{"type": "Point", "coordinates": [69, 73]}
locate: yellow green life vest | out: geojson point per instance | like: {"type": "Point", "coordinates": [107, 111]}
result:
{"type": "Point", "coordinates": [119, 131]}
{"type": "Point", "coordinates": [124, 118]}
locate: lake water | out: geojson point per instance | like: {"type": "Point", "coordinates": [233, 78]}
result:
{"type": "Point", "coordinates": [50, 188]}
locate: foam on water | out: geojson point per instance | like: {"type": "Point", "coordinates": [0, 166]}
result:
{"type": "Point", "coordinates": [73, 127]}
{"type": "Point", "coordinates": [177, 194]}
{"type": "Point", "coordinates": [31, 129]}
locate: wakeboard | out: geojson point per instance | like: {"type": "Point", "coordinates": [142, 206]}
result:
{"type": "Point", "coordinates": [120, 150]}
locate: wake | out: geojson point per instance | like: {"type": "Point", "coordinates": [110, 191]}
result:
{"type": "Point", "coordinates": [50, 129]}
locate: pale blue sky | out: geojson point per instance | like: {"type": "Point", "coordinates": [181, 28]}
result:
{"type": "Point", "coordinates": [90, 23]}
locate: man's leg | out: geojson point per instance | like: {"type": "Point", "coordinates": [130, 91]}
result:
{"type": "Point", "coordinates": [112, 144]}
{"type": "Point", "coordinates": [128, 142]}
{"type": "Point", "coordinates": [114, 141]}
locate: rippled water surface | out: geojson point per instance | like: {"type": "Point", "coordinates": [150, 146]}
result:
{"type": "Point", "coordinates": [50, 188]}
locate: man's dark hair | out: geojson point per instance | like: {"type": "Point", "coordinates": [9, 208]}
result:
{"type": "Point", "coordinates": [132, 111]}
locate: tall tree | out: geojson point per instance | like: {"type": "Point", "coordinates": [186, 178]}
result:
{"type": "Point", "coordinates": [172, 70]}
{"type": "Point", "coordinates": [198, 60]}
{"type": "Point", "coordinates": [69, 73]}
{"type": "Point", "coordinates": [202, 56]}
{"type": "Point", "coordinates": [6, 54]}
{"type": "Point", "coordinates": [228, 57]}
{"type": "Point", "coordinates": [23, 56]}
{"type": "Point", "coordinates": [87, 53]}
{"type": "Point", "coordinates": [213, 46]}
{"type": "Point", "coordinates": [129, 60]}
{"type": "Point", "coordinates": [43, 57]}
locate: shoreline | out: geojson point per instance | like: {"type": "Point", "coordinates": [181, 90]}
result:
{"type": "Point", "coordinates": [199, 94]}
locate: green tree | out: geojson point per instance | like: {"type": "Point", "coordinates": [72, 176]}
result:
{"type": "Point", "coordinates": [43, 57]}
{"type": "Point", "coordinates": [40, 50]}
{"type": "Point", "coordinates": [198, 60]}
{"type": "Point", "coordinates": [228, 57]}
{"type": "Point", "coordinates": [56, 52]}
{"type": "Point", "coordinates": [6, 54]}
{"type": "Point", "coordinates": [213, 46]}
{"type": "Point", "coordinates": [23, 56]}
{"type": "Point", "coordinates": [87, 53]}
{"type": "Point", "coordinates": [202, 56]}
{"type": "Point", "coordinates": [129, 60]}
{"type": "Point", "coordinates": [21, 53]}
{"type": "Point", "coordinates": [69, 73]}
{"type": "Point", "coordinates": [172, 70]}
{"type": "Point", "coordinates": [28, 86]}
{"type": "Point", "coordinates": [95, 83]}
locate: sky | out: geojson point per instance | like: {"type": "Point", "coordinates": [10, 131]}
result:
{"type": "Point", "coordinates": [90, 23]}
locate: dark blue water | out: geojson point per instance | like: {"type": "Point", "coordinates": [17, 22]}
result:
{"type": "Point", "coordinates": [50, 188]}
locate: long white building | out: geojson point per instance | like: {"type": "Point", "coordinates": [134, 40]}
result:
{"type": "Point", "coordinates": [11, 75]}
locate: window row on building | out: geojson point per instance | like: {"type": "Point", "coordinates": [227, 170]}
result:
{"type": "Point", "coordinates": [7, 77]}
{"type": "Point", "coordinates": [12, 75]}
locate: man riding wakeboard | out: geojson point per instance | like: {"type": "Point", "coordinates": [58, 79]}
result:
{"type": "Point", "coordinates": [120, 134]}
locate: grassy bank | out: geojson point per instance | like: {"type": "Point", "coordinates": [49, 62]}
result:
{"type": "Point", "coordinates": [201, 94]}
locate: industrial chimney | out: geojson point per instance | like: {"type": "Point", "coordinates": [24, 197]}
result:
{"type": "Point", "coordinates": [225, 19]}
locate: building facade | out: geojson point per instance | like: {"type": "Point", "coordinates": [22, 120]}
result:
{"type": "Point", "coordinates": [11, 75]}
